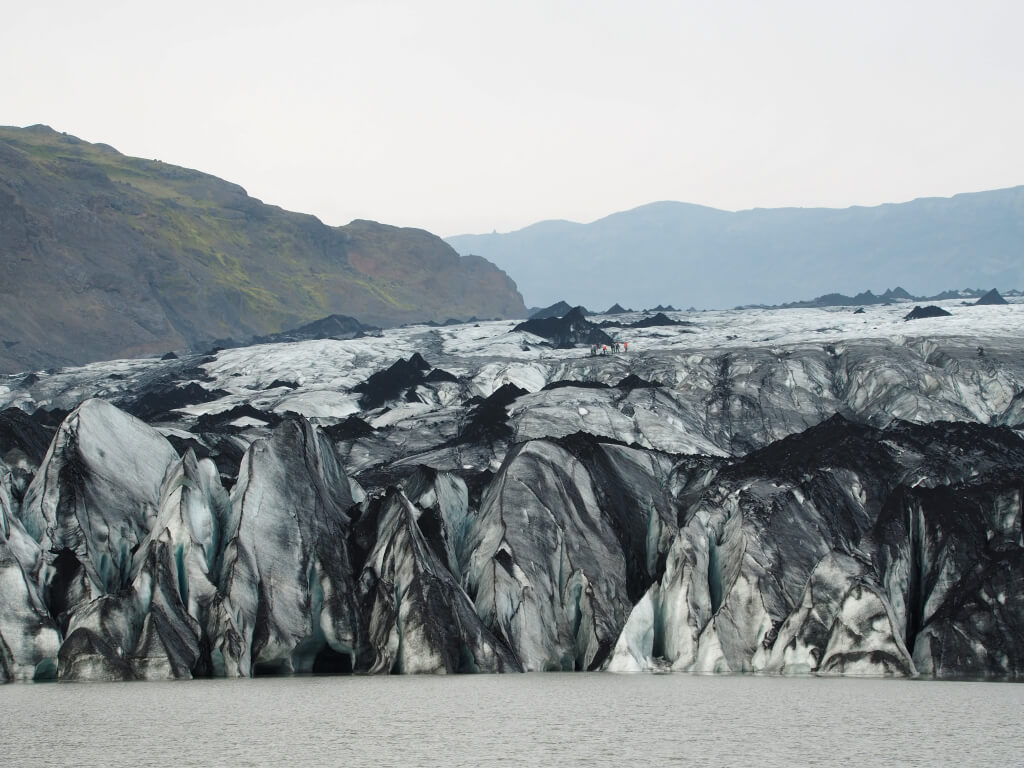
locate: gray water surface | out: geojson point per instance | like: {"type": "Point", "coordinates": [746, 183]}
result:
{"type": "Point", "coordinates": [540, 719]}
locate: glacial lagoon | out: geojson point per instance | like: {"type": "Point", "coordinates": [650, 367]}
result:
{"type": "Point", "coordinates": [512, 720]}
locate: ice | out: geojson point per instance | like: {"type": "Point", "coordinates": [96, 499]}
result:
{"type": "Point", "coordinates": [807, 492]}
{"type": "Point", "coordinates": [118, 464]}
{"type": "Point", "coordinates": [287, 574]}
{"type": "Point", "coordinates": [776, 371]}
{"type": "Point", "coordinates": [29, 639]}
{"type": "Point", "coordinates": [421, 620]}
{"type": "Point", "coordinates": [547, 572]}
{"type": "Point", "coordinates": [634, 650]}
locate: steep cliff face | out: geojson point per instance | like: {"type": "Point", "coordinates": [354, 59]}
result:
{"type": "Point", "coordinates": [110, 256]}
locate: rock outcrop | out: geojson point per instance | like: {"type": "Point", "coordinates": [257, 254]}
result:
{"type": "Point", "coordinates": [567, 331]}
{"type": "Point", "coordinates": [992, 298]}
{"type": "Point", "coordinates": [920, 313]}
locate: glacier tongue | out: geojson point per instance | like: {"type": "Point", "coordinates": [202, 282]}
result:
{"type": "Point", "coordinates": [799, 499]}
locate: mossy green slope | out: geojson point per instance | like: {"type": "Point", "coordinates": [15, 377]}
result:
{"type": "Point", "coordinates": [105, 255]}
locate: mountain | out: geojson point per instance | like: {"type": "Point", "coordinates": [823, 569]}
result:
{"type": "Point", "coordinates": [865, 297]}
{"type": "Point", "coordinates": [891, 295]}
{"type": "Point", "coordinates": [799, 491]}
{"type": "Point", "coordinates": [694, 255]}
{"type": "Point", "coordinates": [558, 309]}
{"type": "Point", "coordinates": [993, 297]}
{"type": "Point", "coordinates": [108, 256]}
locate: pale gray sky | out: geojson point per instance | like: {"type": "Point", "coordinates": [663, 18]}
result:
{"type": "Point", "coordinates": [471, 116]}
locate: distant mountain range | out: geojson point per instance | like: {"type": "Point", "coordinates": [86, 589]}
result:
{"type": "Point", "coordinates": [693, 255]}
{"type": "Point", "coordinates": [106, 256]}
{"type": "Point", "coordinates": [892, 296]}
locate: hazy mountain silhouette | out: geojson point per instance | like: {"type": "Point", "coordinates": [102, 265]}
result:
{"type": "Point", "coordinates": [693, 255]}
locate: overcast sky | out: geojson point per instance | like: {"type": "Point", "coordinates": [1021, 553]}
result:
{"type": "Point", "coordinates": [473, 116]}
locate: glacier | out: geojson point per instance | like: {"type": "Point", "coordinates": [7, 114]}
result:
{"type": "Point", "coordinates": [800, 491]}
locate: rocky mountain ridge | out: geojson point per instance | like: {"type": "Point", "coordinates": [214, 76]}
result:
{"type": "Point", "coordinates": [892, 295]}
{"type": "Point", "coordinates": [108, 256]}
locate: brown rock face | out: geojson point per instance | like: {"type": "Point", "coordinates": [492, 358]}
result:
{"type": "Point", "coordinates": [106, 256]}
